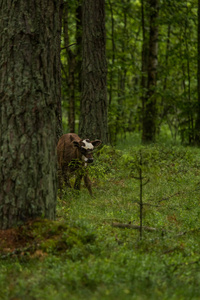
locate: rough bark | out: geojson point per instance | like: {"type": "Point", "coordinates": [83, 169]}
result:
{"type": "Point", "coordinates": [29, 93]}
{"type": "Point", "coordinates": [150, 113]}
{"type": "Point", "coordinates": [93, 118]}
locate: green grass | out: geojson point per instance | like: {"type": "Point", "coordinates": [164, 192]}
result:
{"type": "Point", "coordinates": [91, 259]}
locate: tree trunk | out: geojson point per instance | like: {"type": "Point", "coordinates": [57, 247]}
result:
{"type": "Point", "coordinates": [59, 127]}
{"type": "Point", "coordinates": [71, 58]}
{"type": "Point", "coordinates": [150, 114]}
{"type": "Point", "coordinates": [78, 43]}
{"type": "Point", "coordinates": [165, 106]}
{"type": "Point", "coordinates": [190, 111]}
{"type": "Point", "coordinates": [113, 51]}
{"type": "Point", "coordinates": [197, 125]}
{"type": "Point", "coordinates": [93, 117]}
{"type": "Point", "coordinates": [121, 101]}
{"type": "Point", "coordinates": [144, 55]}
{"type": "Point", "coordinates": [29, 93]}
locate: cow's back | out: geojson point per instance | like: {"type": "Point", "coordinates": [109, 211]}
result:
{"type": "Point", "coordinates": [66, 150]}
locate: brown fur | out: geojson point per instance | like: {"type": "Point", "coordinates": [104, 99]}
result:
{"type": "Point", "coordinates": [70, 159]}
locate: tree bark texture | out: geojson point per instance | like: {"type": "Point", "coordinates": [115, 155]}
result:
{"type": "Point", "coordinates": [29, 95]}
{"type": "Point", "coordinates": [150, 113]}
{"type": "Point", "coordinates": [93, 118]}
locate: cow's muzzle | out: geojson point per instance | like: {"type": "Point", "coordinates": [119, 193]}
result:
{"type": "Point", "coordinates": [90, 160]}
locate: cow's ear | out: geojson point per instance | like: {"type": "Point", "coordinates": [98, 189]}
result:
{"type": "Point", "coordinates": [96, 143]}
{"type": "Point", "coordinates": [76, 144]}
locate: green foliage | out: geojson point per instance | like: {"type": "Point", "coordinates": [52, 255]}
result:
{"type": "Point", "coordinates": [176, 90]}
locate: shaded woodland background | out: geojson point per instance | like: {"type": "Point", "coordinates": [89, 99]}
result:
{"type": "Point", "coordinates": [152, 68]}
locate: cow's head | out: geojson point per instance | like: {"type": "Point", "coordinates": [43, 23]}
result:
{"type": "Point", "coordinates": [86, 148]}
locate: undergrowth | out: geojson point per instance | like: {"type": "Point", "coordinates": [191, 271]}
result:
{"type": "Point", "coordinates": [83, 256]}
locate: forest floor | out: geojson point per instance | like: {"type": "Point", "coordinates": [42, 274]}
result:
{"type": "Point", "coordinates": [96, 250]}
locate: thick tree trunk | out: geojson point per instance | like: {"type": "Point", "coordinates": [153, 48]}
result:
{"type": "Point", "coordinates": [93, 118]}
{"type": "Point", "coordinates": [150, 114]}
{"type": "Point", "coordinates": [29, 94]}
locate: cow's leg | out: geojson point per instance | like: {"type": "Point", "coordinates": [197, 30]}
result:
{"type": "Point", "coordinates": [88, 184]}
{"type": "Point", "coordinates": [60, 182]}
{"type": "Point", "coordinates": [60, 178]}
{"type": "Point", "coordinates": [66, 178]}
{"type": "Point", "coordinates": [77, 184]}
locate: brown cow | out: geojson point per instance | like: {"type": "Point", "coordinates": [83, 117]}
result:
{"type": "Point", "coordinates": [74, 154]}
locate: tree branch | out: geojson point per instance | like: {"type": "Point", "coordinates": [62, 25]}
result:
{"type": "Point", "coordinates": [130, 226]}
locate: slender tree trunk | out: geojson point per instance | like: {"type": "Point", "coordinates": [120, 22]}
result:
{"type": "Point", "coordinates": [188, 124]}
{"type": "Point", "coordinates": [120, 120]}
{"type": "Point", "coordinates": [79, 43]}
{"type": "Point", "coordinates": [164, 105]}
{"type": "Point", "coordinates": [144, 57]}
{"type": "Point", "coordinates": [167, 54]}
{"type": "Point", "coordinates": [93, 118]}
{"type": "Point", "coordinates": [112, 136]}
{"type": "Point", "coordinates": [71, 72]}
{"type": "Point", "coordinates": [197, 125]}
{"type": "Point", "coordinates": [29, 94]}
{"type": "Point", "coordinates": [59, 127]}
{"type": "Point", "coordinates": [113, 52]}
{"type": "Point", "coordinates": [190, 112]}
{"type": "Point", "coordinates": [150, 113]}
{"type": "Point", "coordinates": [141, 194]}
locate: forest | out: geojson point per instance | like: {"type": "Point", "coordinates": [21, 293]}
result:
{"type": "Point", "coordinates": [129, 27]}
{"type": "Point", "coordinates": [125, 77]}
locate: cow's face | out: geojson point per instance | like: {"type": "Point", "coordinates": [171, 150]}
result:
{"type": "Point", "coordinates": [86, 148]}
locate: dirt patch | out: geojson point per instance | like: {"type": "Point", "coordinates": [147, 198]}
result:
{"type": "Point", "coordinates": [11, 239]}
{"type": "Point", "coordinates": [28, 237]}
{"type": "Point", "coordinates": [43, 237]}
{"type": "Point", "coordinates": [16, 238]}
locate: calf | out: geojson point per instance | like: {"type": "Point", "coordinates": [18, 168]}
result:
{"type": "Point", "coordinates": [74, 154]}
